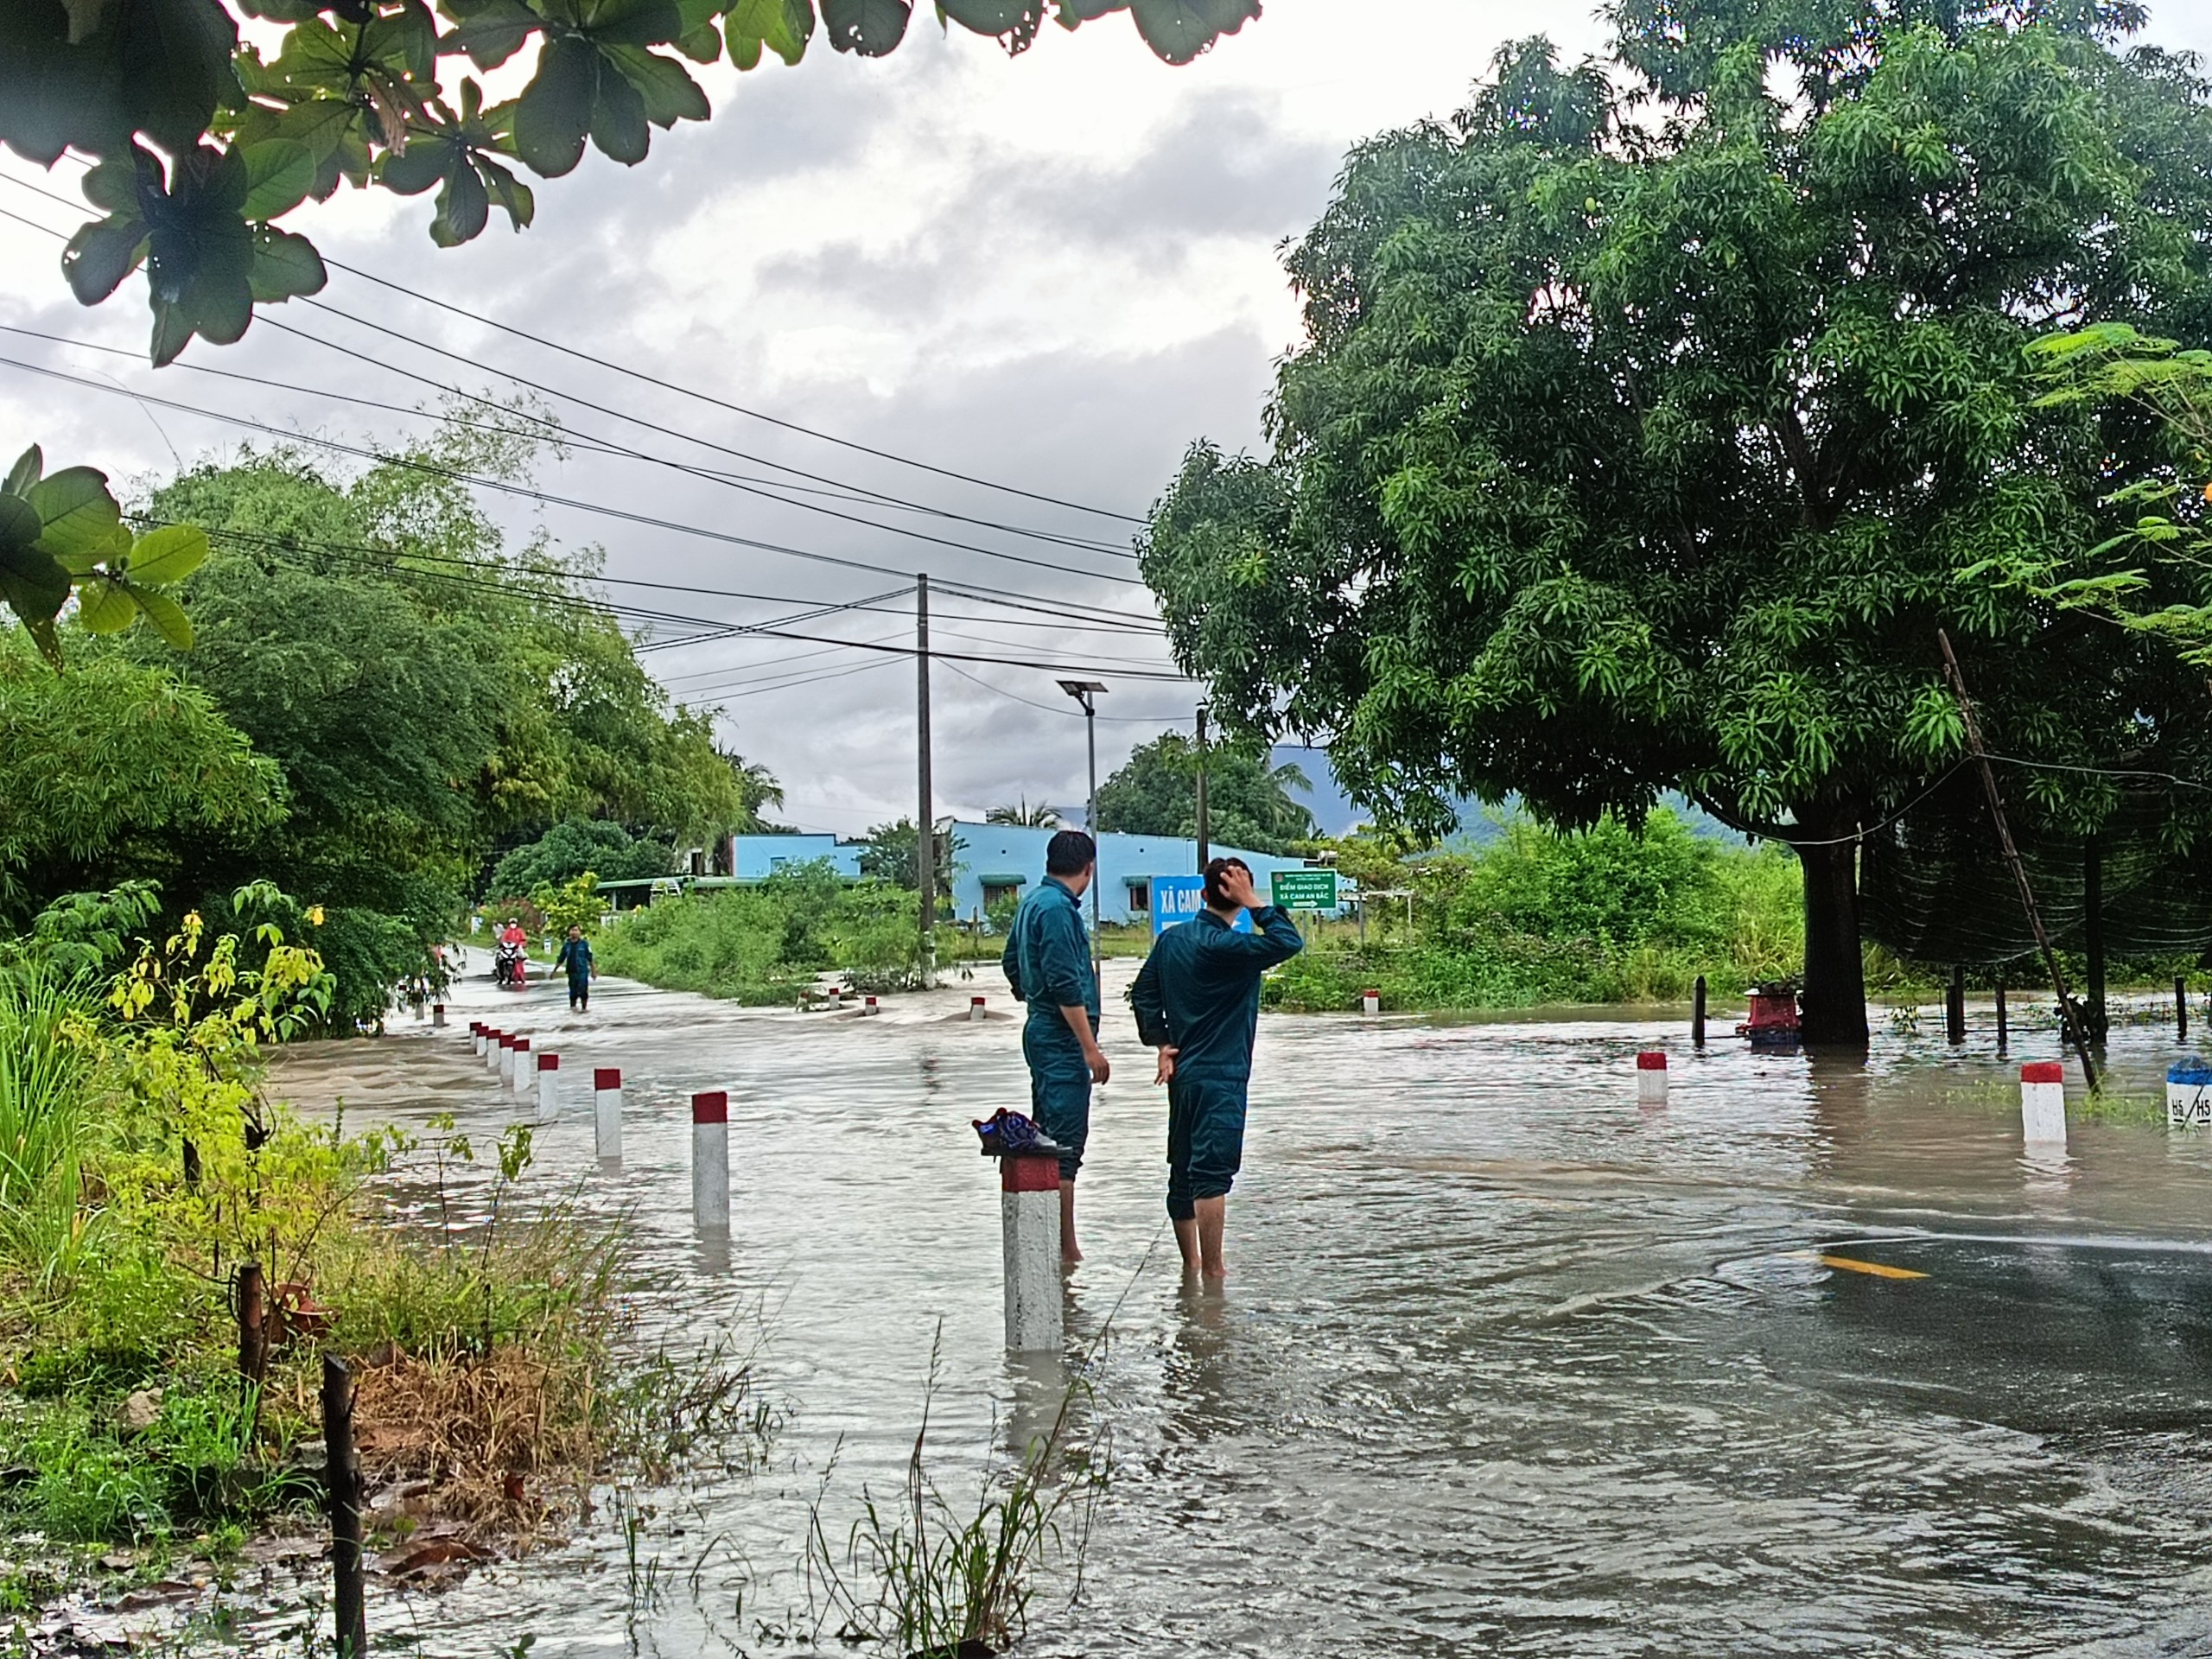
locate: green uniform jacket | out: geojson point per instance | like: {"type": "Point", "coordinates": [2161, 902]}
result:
{"type": "Point", "coordinates": [1198, 992]}
{"type": "Point", "coordinates": [1047, 958]}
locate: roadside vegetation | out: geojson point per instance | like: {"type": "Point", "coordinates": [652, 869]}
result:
{"type": "Point", "coordinates": [152, 1195]}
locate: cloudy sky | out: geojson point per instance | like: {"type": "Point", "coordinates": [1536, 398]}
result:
{"type": "Point", "coordinates": [1049, 273]}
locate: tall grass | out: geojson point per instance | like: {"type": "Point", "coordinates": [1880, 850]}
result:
{"type": "Point", "coordinates": [46, 1066]}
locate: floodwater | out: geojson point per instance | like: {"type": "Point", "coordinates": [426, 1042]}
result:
{"type": "Point", "coordinates": [1506, 1362]}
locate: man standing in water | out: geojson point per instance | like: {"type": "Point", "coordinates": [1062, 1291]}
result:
{"type": "Point", "coordinates": [1047, 963]}
{"type": "Point", "coordinates": [575, 957]}
{"type": "Point", "coordinates": [1198, 1001]}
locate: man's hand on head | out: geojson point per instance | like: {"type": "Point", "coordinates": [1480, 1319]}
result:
{"type": "Point", "coordinates": [1236, 884]}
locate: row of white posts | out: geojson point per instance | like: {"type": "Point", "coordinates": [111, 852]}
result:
{"type": "Point", "coordinates": [509, 1057]}
{"type": "Point", "coordinates": [2042, 1095]}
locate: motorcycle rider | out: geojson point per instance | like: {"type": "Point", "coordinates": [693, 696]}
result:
{"type": "Point", "coordinates": [514, 948]}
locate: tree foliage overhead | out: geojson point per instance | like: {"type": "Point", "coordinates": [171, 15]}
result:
{"type": "Point", "coordinates": [569, 850]}
{"type": "Point", "coordinates": [1648, 446]}
{"type": "Point", "coordinates": [202, 140]}
{"type": "Point", "coordinates": [1250, 803]}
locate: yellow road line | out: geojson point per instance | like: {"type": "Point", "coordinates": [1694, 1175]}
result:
{"type": "Point", "coordinates": [1879, 1269]}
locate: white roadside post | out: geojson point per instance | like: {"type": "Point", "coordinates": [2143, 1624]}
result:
{"type": "Point", "coordinates": [438, 1015]}
{"type": "Point", "coordinates": [710, 1161]}
{"type": "Point", "coordinates": [607, 1110]}
{"type": "Point", "coordinates": [1029, 1223]}
{"type": "Point", "coordinates": [1370, 1001]}
{"type": "Point", "coordinates": [476, 1037]}
{"type": "Point", "coordinates": [549, 1088]}
{"type": "Point", "coordinates": [2188, 1094]}
{"type": "Point", "coordinates": [524, 1073]}
{"type": "Point", "coordinates": [2043, 1104]}
{"type": "Point", "coordinates": [505, 1068]}
{"type": "Point", "coordinates": [975, 1009]}
{"type": "Point", "coordinates": [869, 1006]}
{"type": "Point", "coordinates": [1651, 1077]}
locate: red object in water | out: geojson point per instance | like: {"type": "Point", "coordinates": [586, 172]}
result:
{"type": "Point", "coordinates": [1773, 1018]}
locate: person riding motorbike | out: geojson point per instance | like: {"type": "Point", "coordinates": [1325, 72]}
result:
{"type": "Point", "coordinates": [509, 962]}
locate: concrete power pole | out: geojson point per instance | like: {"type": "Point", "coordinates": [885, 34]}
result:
{"type": "Point", "coordinates": [1204, 853]}
{"type": "Point", "coordinates": [925, 825]}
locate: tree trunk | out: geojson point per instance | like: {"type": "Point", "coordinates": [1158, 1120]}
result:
{"type": "Point", "coordinates": [1834, 1006]}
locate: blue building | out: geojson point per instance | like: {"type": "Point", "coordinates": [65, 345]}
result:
{"type": "Point", "coordinates": [993, 863]}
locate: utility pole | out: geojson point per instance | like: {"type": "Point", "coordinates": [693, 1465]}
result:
{"type": "Point", "coordinates": [1086, 692]}
{"type": "Point", "coordinates": [2068, 1012]}
{"type": "Point", "coordinates": [1203, 851]}
{"type": "Point", "coordinates": [925, 825]}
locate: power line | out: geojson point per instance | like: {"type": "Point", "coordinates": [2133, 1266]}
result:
{"type": "Point", "coordinates": [736, 409]}
{"type": "Point", "coordinates": [527, 491]}
{"type": "Point", "coordinates": [634, 374]}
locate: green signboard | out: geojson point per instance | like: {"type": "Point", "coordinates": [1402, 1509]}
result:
{"type": "Point", "coordinates": [1305, 889]}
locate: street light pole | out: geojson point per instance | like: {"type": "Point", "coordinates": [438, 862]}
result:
{"type": "Point", "coordinates": [1204, 850]}
{"type": "Point", "coordinates": [1086, 692]}
{"type": "Point", "coordinates": [925, 825]}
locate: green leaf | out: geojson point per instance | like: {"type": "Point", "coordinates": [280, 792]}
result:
{"type": "Point", "coordinates": [75, 510]}
{"type": "Point", "coordinates": [637, 22]}
{"type": "Point", "coordinates": [509, 191]}
{"type": "Point", "coordinates": [1179, 30]}
{"type": "Point", "coordinates": [489, 31]}
{"type": "Point", "coordinates": [19, 521]}
{"type": "Point", "coordinates": [424, 162]}
{"type": "Point", "coordinates": [285, 266]}
{"type": "Point", "coordinates": [25, 473]}
{"type": "Point", "coordinates": [84, 560]}
{"type": "Point", "coordinates": [464, 206]}
{"type": "Point", "coordinates": [701, 45]}
{"type": "Point", "coordinates": [554, 114]}
{"type": "Point", "coordinates": [105, 606]}
{"type": "Point", "coordinates": [404, 43]}
{"type": "Point", "coordinates": [1016, 21]}
{"type": "Point", "coordinates": [167, 616]}
{"type": "Point", "coordinates": [167, 554]}
{"type": "Point", "coordinates": [783, 26]}
{"type": "Point", "coordinates": [113, 186]}
{"type": "Point", "coordinates": [669, 94]}
{"type": "Point", "coordinates": [101, 255]}
{"type": "Point", "coordinates": [871, 27]}
{"type": "Point", "coordinates": [279, 174]}
{"type": "Point", "coordinates": [32, 583]}
{"type": "Point", "coordinates": [619, 126]}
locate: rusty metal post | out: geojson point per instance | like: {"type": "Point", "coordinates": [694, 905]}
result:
{"type": "Point", "coordinates": [342, 1479]}
{"type": "Point", "coordinates": [253, 1314]}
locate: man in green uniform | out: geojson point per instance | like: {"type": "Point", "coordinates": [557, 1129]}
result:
{"type": "Point", "coordinates": [1047, 963]}
{"type": "Point", "coordinates": [1198, 1001]}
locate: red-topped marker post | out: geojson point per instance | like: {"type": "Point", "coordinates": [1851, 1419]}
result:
{"type": "Point", "coordinates": [710, 1161]}
{"type": "Point", "coordinates": [525, 1073]}
{"type": "Point", "coordinates": [1651, 1077]}
{"type": "Point", "coordinates": [549, 1088]}
{"type": "Point", "coordinates": [606, 1111]}
{"type": "Point", "coordinates": [1029, 1223]}
{"type": "Point", "coordinates": [2043, 1104]}
{"type": "Point", "coordinates": [976, 1008]}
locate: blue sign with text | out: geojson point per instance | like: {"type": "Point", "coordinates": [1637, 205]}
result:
{"type": "Point", "coordinates": [1178, 897]}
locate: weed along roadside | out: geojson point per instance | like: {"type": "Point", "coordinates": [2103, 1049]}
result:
{"type": "Point", "coordinates": [182, 1254]}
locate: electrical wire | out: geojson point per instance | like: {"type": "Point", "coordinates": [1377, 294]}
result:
{"type": "Point", "coordinates": [634, 374]}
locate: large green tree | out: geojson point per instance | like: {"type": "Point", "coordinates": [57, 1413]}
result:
{"type": "Point", "coordinates": [1250, 803]}
{"type": "Point", "coordinates": [202, 140]}
{"type": "Point", "coordinates": [1649, 446]}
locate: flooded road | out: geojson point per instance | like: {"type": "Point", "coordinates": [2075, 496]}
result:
{"type": "Point", "coordinates": [1810, 1360]}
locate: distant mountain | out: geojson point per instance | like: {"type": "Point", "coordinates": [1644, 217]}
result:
{"type": "Point", "coordinates": [1335, 813]}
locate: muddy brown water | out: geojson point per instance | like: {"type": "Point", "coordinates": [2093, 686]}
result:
{"type": "Point", "coordinates": [1506, 1362]}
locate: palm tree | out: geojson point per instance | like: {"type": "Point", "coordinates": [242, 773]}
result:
{"type": "Point", "coordinates": [1026, 815]}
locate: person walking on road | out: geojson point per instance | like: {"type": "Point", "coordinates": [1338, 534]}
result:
{"type": "Point", "coordinates": [1047, 963]}
{"type": "Point", "coordinates": [575, 957]}
{"type": "Point", "coordinates": [1198, 1001]}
